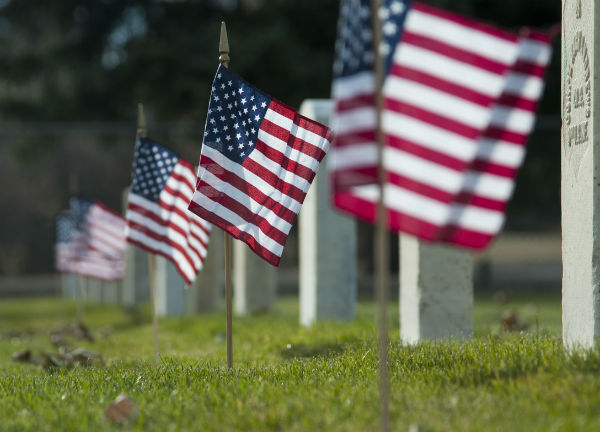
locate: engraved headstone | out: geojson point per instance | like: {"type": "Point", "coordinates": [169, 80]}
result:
{"type": "Point", "coordinates": [580, 183]}
{"type": "Point", "coordinates": [327, 240]}
{"type": "Point", "coordinates": [436, 291]}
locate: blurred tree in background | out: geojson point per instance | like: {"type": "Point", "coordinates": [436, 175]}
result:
{"type": "Point", "coordinates": [72, 71]}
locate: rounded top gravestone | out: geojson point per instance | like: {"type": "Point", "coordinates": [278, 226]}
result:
{"type": "Point", "coordinates": [577, 83]}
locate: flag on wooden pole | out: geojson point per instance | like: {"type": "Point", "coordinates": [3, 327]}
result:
{"type": "Point", "coordinates": [257, 162]}
{"type": "Point", "coordinates": [91, 241]}
{"type": "Point", "coordinates": [444, 78]}
{"type": "Point", "coordinates": [157, 215]}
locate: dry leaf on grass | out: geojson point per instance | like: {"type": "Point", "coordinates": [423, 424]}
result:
{"type": "Point", "coordinates": [123, 410]}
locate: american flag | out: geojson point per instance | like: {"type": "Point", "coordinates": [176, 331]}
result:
{"type": "Point", "coordinates": [258, 160]}
{"type": "Point", "coordinates": [157, 215]}
{"type": "Point", "coordinates": [444, 75]}
{"type": "Point", "coordinates": [91, 241]}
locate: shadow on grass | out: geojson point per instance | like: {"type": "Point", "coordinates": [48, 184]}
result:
{"type": "Point", "coordinates": [322, 349]}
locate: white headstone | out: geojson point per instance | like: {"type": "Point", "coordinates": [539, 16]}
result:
{"type": "Point", "coordinates": [94, 290]}
{"type": "Point", "coordinates": [136, 286]}
{"type": "Point", "coordinates": [111, 292]}
{"type": "Point", "coordinates": [207, 290]}
{"type": "Point", "coordinates": [69, 285]}
{"type": "Point", "coordinates": [169, 285]}
{"type": "Point", "coordinates": [436, 291]}
{"type": "Point", "coordinates": [254, 281]}
{"type": "Point", "coordinates": [327, 269]}
{"type": "Point", "coordinates": [580, 183]}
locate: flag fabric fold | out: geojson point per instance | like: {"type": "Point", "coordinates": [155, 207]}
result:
{"type": "Point", "coordinates": [257, 162]}
{"type": "Point", "coordinates": [157, 216]}
{"type": "Point", "coordinates": [451, 85]}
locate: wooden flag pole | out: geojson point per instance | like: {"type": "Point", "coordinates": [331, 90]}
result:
{"type": "Point", "coordinates": [381, 237]}
{"type": "Point", "coordinates": [142, 132]}
{"type": "Point", "coordinates": [224, 60]}
{"type": "Point", "coordinates": [74, 190]}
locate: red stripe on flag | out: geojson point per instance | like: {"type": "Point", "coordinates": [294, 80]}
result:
{"type": "Point", "coordinates": [485, 166]}
{"type": "Point", "coordinates": [505, 135]}
{"type": "Point", "coordinates": [247, 188]}
{"type": "Point", "coordinates": [360, 101]}
{"type": "Point", "coordinates": [285, 162]}
{"type": "Point", "coordinates": [457, 54]}
{"type": "Point", "coordinates": [529, 69]}
{"type": "Point", "coordinates": [291, 140]}
{"type": "Point", "coordinates": [471, 199]}
{"type": "Point", "coordinates": [160, 238]}
{"type": "Point", "coordinates": [514, 101]}
{"type": "Point", "coordinates": [215, 219]}
{"type": "Point", "coordinates": [243, 212]}
{"type": "Point", "coordinates": [426, 153]}
{"type": "Point", "coordinates": [437, 83]}
{"type": "Point", "coordinates": [277, 183]}
{"type": "Point", "coordinates": [435, 120]}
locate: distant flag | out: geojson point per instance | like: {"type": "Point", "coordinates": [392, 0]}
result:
{"type": "Point", "coordinates": [91, 241]}
{"type": "Point", "coordinates": [157, 215]}
{"type": "Point", "coordinates": [444, 75]}
{"type": "Point", "coordinates": [258, 160]}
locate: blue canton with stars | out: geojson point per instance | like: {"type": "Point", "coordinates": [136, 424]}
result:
{"type": "Point", "coordinates": [354, 43]}
{"type": "Point", "coordinates": [79, 210]}
{"type": "Point", "coordinates": [235, 112]}
{"type": "Point", "coordinates": [65, 225]}
{"type": "Point", "coordinates": [152, 166]}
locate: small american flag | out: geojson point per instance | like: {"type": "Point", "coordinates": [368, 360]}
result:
{"type": "Point", "coordinates": [157, 215]}
{"type": "Point", "coordinates": [91, 241]}
{"type": "Point", "coordinates": [444, 76]}
{"type": "Point", "coordinates": [258, 160]}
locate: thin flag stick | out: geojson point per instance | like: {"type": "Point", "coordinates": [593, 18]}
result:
{"type": "Point", "coordinates": [224, 60]}
{"type": "Point", "coordinates": [141, 131]}
{"type": "Point", "coordinates": [79, 289]}
{"type": "Point", "coordinates": [381, 236]}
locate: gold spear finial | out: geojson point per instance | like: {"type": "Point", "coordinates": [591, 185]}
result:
{"type": "Point", "coordinates": [224, 46]}
{"type": "Point", "coordinates": [141, 121]}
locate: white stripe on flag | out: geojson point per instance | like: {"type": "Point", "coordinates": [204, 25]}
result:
{"type": "Point", "coordinates": [461, 36]}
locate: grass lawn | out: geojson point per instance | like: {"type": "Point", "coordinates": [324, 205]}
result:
{"type": "Point", "coordinates": [293, 379]}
